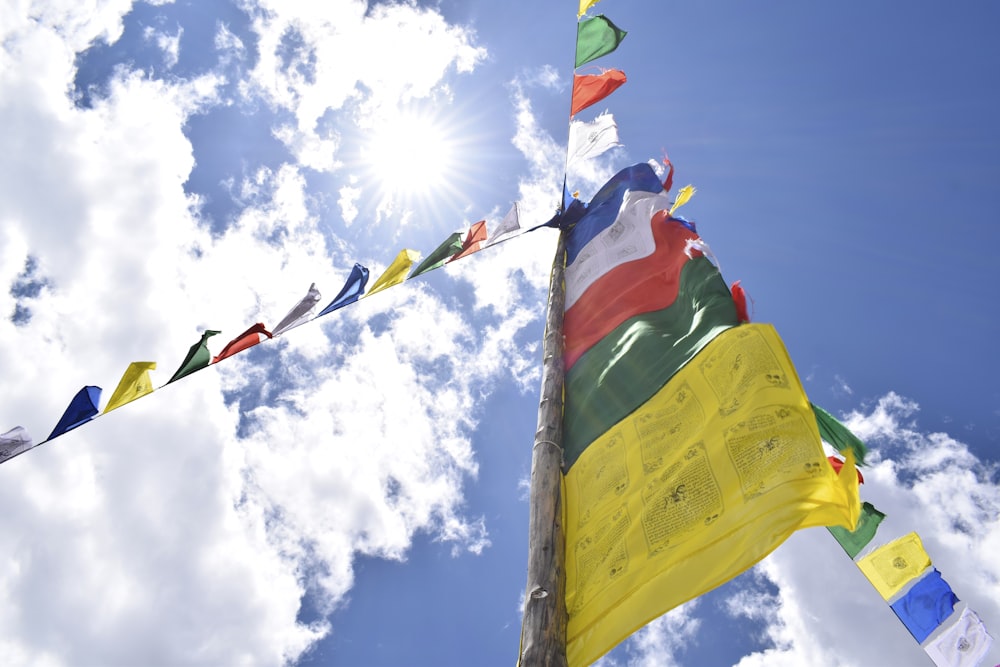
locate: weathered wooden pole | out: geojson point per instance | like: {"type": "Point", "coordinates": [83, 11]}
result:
{"type": "Point", "coordinates": [543, 628]}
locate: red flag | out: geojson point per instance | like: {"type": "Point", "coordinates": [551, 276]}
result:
{"type": "Point", "coordinates": [592, 88]}
{"type": "Point", "coordinates": [740, 299]}
{"type": "Point", "coordinates": [838, 464]}
{"type": "Point", "coordinates": [248, 338]}
{"type": "Point", "coordinates": [473, 241]}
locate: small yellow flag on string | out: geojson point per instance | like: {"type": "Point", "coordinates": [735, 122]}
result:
{"type": "Point", "coordinates": [585, 5]}
{"type": "Point", "coordinates": [134, 384]}
{"type": "Point", "coordinates": [683, 196]}
{"type": "Point", "coordinates": [896, 564]}
{"type": "Point", "coordinates": [397, 271]}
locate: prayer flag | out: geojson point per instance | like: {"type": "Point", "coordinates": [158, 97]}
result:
{"type": "Point", "coordinates": [596, 37]}
{"type": "Point", "coordinates": [588, 140]}
{"type": "Point", "coordinates": [81, 410]}
{"type": "Point", "coordinates": [839, 437]}
{"type": "Point", "coordinates": [740, 299]}
{"type": "Point", "coordinates": [351, 291]}
{"type": "Point", "coordinates": [508, 226]}
{"type": "Point", "coordinates": [396, 272]}
{"type": "Point", "coordinates": [134, 384]}
{"type": "Point", "coordinates": [450, 247]}
{"type": "Point", "coordinates": [473, 241]}
{"type": "Point", "coordinates": [300, 312]}
{"type": "Point", "coordinates": [690, 451]}
{"type": "Point", "coordinates": [683, 196]}
{"type": "Point", "coordinates": [585, 5]}
{"type": "Point", "coordinates": [245, 340]}
{"type": "Point", "coordinates": [853, 541]}
{"type": "Point", "coordinates": [590, 89]}
{"type": "Point", "coordinates": [13, 442]}
{"type": "Point", "coordinates": [198, 357]}
{"type": "Point", "coordinates": [889, 568]}
{"type": "Point", "coordinates": [838, 464]}
{"type": "Point", "coordinates": [963, 643]}
{"type": "Point", "coordinates": [926, 606]}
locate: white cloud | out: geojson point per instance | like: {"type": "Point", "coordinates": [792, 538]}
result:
{"type": "Point", "coordinates": [348, 203]}
{"type": "Point", "coordinates": [169, 44]}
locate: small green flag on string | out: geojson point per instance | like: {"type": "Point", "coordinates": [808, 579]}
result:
{"type": "Point", "coordinates": [451, 246]}
{"type": "Point", "coordinates": [854, 542]}
{"type": "Point", "coordinates": [197, 357]}
{"type": "Point", "coordinates": [838, 435]}
{"type": "Point", "coordinates": [596, 37]}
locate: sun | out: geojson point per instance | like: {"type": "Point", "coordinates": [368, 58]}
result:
{"type": "Point", "coordinates": [411, 153]}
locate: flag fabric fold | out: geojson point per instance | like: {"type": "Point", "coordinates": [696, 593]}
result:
{"type": "Point", "coordinates": [507, 227]}
{"type": "Point", "coordinates": [589, 89]}
{"type": "Point", "coordinates": [588, 140]}
{"type": "Point", "coordinates": [135, 383]}
{"type": "Point", "coordinates": [473, 242]}
{"type": "Point", "coordinates": [350, 292]}
{"type": "Point", "coordinates": [396, 272]}
{"type": "Point", "coordinates": [596, 37]}
{"type": "Point", "coordinates": [448, 248]}
{"type": "Point", "coordinates": [891, 567]}
{"type": "Point", "coordinates": [245, 340]}
{"type": "Point", "coordinates": [13, 442]}
{"type": "Point", "coordinates": [81, 410]}
{"type": "Point", "coordinates": [963, 643]}
{"type": "Point", "coordinates": [926, 606]}
{"type": "Point", "coordinates": [853, 541]}
{"type": "Point", "coordinates": [838, 435]}
{"type": "Point", "coordinates": [300, 312]}
{"type": "Point", "coordinates": [198, 357]}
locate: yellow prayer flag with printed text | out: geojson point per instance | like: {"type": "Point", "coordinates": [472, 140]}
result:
{"type": "Point", "coordinates": [134, 384]}
{"type": "Point", "coordinates": [889, 568]}
{"type": "Point", "coordinates": [397, 271]}
{"type": "Point", "coordinates": [694, 487]}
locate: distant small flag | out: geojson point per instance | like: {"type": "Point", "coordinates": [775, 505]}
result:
{"type": "Point", "coordinates": [300, 312]}
{"type": "Point", "coordinates": [590, 89]}
{"type": "Point", "coordinates": [588, 140]}
{"type": "Point", "coordinates": [596, 37]}
{"type": "Point", "coordinates": [683, 196]}
{"type": "Point", "coordinates": [450, 247]}
{"type": "Point", "coordinates": [585, 5]}
{"type": "Point", "coordinates": [507, 227]}
{"type": "Point", "coordinates": [245, 340]}
{"type": "Point", "coordinates": [473, 241]}
{"type": "Point", "coordinates": [839, 437]}
{"type": "Point", "coordinates": [13, 442]}
{"type": "Point", "coordinates": [350, 292]}
{"type": "Point", "coordinates": [926, 606]}
{"type": "Point", "coordinates": [854, 541]}
{"type": "Point", "coordinates": [740, 299]}
{"type": "Point", "coordinates": [134, 384]}
{"type": "Point", "coordinates": [964, 643]}
{"type": "Point", "coordinates": [198, 357]}
{"type": "Point", "coordinates": [396, 272]}
{"type": "Point", "coordinates": [889, 568]}
{"type": "Point", "coordinates": [81, 410]}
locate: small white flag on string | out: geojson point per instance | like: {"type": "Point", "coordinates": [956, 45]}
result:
{"type": "Point", "coordinates": [962, 644]}
{"type": "Point", "coordinates": [510, 225]}
{"type": "Point", "coordinates": [587, 140]}
{"type": "Point", "coordinates": [13, 442]}
{"type": "Point", "coordinates": [300, 312]}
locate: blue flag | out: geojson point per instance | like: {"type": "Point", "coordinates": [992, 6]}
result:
{"type": "Point", "coordinates": [351, 291]}
{"type": "Point", "coordinates": [926, 605]}
{"type": "Point", "coordinates": [81, 410]}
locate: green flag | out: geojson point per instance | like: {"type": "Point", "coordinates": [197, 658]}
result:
{"type": "Point", "coordinates": [854, 542]}
{"type": "Point", "coordinates": [451, 246]}
{"type": "Point", "coordinates": [596, 37]}
{"type": "Point", "coordinates": [838, 435]}
{"type": "Point", "coordinates": [197, 357]}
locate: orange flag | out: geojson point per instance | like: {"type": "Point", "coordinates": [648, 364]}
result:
{"type": "Point", "coordinates": [248, 338]}
{"type": "Point", "coordinates": [473, 241]}
{"type": "Point", "coordinates": [592, 88]}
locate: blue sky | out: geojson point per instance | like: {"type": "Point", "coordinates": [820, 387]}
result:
{"type": "Point", "coordinates": [354, 493]}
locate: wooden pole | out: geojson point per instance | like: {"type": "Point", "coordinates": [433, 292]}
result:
{"type": "Point", "coordinates": [543, 629]}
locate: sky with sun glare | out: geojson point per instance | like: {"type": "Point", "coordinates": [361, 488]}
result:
{"type": "Point", "coordinates": [354, 492]}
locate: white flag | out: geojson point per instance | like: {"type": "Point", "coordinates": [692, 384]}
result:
{"type": "Point", "coordinates": [510, 225]}
{"type": "Point", "coordinates": [300, 312]}
{"type": "Point", "coordinates": [587, 140]}
{"type": "Point", "coordinates": [13, 442]}
{"type": "Point", "coordinates": [962, 644]}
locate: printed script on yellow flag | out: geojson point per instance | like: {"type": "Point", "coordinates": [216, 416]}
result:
{"type": "Point", "coordinates": [694, 487]}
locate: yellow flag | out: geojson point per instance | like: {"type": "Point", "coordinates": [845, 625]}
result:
{"type": "Point", "coordinates": [585, 5]}
{"type": "Point", "coordinates": [896, 564]}
{"type": "Point", "coordinates": [694, 487]}
{"type": "Point", "coordinates": [683, 196]}
{"type": "Point", "coordinates": [134, 384]}
{"type": "Point", "coordinates": [397, 271]}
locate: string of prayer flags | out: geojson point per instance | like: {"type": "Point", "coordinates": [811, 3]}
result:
{"type": "Point", "coordinates": [351, 291]}
{"type": "Point", "coordinates": [13, 442]}
{"type": "Point", "coordinates": [450, 247]}
{"type": "Point", "coordinates": [596, 37]}
{"type": "Point", "coordinates": [197, 357]}
{"type": "Point", "coordinates": [474, 239]}
{"type": "Point", "coordinates": [890, 567]}
{"type": "Point", "coordinates": [926, 605]}
{"type": "Point", "coordinates": [245, 340]}
{"type": "Point", "coordinates": [300, 312]}
{"type": "Point", "coordinates": [589, 89]}
{"type": "Point", "coordinates": [588, 140]}
{"type": "Point", "coordinates": [80, 410]}
{"type": "Point", "coordinates": [509, 225]}
{"type": "Point", "coordinates": [963, 642]}
{"type": "Point", "coordinates": [134, 384]}
{"type": "Point", "coordinates": [838, 435]}
{"type": "Point", "coordinates": [396, 272]}
{"type": "Point", "coordinates": [853, 541]}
